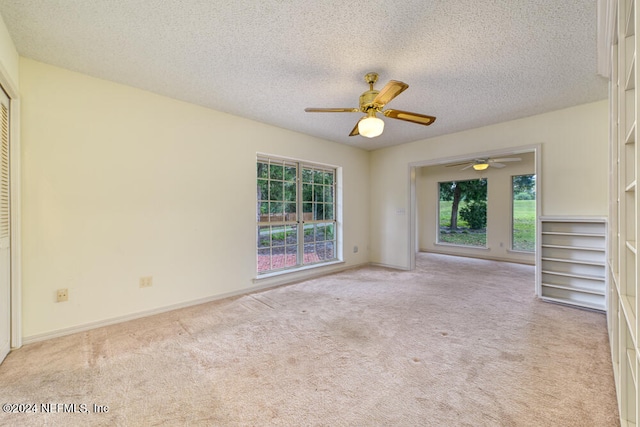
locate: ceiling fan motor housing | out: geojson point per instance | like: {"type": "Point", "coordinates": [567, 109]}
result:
{"type": "Point", "coordinates": [366, 100]}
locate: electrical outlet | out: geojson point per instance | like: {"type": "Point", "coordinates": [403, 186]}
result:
{"type": "Point", "coordinates": [146, 281]}
{"type": "Point", "coordinates": [62, 295]}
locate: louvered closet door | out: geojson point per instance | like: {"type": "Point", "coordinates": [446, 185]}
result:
{"type": "Point", "coordinates": [5, 227]}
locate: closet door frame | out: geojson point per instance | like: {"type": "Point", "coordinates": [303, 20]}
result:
{"type": "Point", "coordinates": [11, 90]}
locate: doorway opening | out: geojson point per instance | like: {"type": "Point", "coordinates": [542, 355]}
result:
{"type": "Point", "coordinates": [501, 217]}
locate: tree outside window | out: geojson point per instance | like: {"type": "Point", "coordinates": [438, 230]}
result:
{"type": "Point", "coordinates": [462, 210]}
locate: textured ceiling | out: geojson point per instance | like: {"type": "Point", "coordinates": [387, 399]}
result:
{"type": "Point", "coordinates": [469, 63]}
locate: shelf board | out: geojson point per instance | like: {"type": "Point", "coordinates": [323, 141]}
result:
{"type": "Point", "coordinates": [577, 276]}
{"type": "Point", "coordinates": [630, 82]}
{"type": "Point", "coordinates": [630, 27]}
{"type": "Point", "coordinates": [631, 135]}
{"type": "Point", "coordinates": [629, 315]}
{"type": "Point", "coordinates": [579, 248]}
{"type": "Point", "coordinates": [573, 261]}
{"type": "Point", "coordinates": [599, 307]}
{"type": "Point", "coordinates": [569, 233]}
{"type": "Point", "coordinates": [631, 187]}
{"type": "Point", "coordinates": [631, 359]}
{"type": "Point", "coordinates": [616, 279]}
{"type": "Point", "coordinates": [631, 245]}
{"type": "Point", "coordinates": [574, 289]}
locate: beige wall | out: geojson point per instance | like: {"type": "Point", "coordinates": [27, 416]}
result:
{"type": "Point", "coordinates": [573, 162]}
{"type": "Point", "coordinates": [120, 183]}
{"type": "Point", "coordinates": [9, 58]}
{"type": "Point", "coordinates": [499, 208]}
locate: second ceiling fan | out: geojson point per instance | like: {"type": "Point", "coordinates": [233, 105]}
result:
{"type": "Point", "coordinates": [482, 164]}
{"type": "Point", "coordinates": [372, 102]}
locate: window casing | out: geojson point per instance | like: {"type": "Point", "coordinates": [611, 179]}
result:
{"type": "Point", "coordinates": [296, 214]}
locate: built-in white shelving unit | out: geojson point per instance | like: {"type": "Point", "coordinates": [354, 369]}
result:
{"type": "Point", "coordinates": [622, 268]}
{"type": "Point", "coordinates": [572, 261]}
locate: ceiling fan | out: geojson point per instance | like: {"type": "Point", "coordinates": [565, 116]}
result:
{"type": "Point", "coordinates": [482, 164]}
{"type": "Point", "coordinates": [372, 102]}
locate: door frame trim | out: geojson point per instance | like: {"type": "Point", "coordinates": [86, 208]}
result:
{"type": "Point", "coordinates": [11, 88]}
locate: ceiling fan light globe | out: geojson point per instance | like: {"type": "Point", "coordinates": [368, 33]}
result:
{"type": "Point", "coordinates": [480, 166]}
{"type": "Point", "coordinates": [371, 127]}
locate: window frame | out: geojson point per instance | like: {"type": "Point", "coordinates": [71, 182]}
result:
{"type": "Point", "coordinates": [304, 218]}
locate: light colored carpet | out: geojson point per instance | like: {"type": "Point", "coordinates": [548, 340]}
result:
{"type": "Point", "coordinates": [457, 342]}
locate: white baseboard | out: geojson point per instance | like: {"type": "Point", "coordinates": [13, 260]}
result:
{"type": "Point", "coordinates": [395, 267]}
{"type": "Point", "coordinates": [114, 320]}
{"type": "Point", "coordinates": [482, 256]}
{"type": "Point", "coordinates": [4, 350]}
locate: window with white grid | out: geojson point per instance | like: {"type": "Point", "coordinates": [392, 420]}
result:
{"type": "Point", "coordinates": [296, 214]}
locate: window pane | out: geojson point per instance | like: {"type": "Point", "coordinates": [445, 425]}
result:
{"type": "Point", "coordinates": [307, 207]}
{"type": "Point", "coordinates": [263, 211]}
{"type": "Point", "coordinates": [276, 172]}
{"type": "Point", "coordinates": [263, 169]}
{"type": "Point", "coordinates": [328, 194]}
{"type": "Point", "coordinates": [317, 177]}
{"type": "Point", "coordinates": [462, 207]}
{"type": "Point", "coordinates": [307, 192]}
{"type": "Point", "coordinates": [275, 212]}
{"type": "Point", "coordinates": [523, 230]}
{"type": "Point", "coordinates": [277, 237]}
{"type": "Point", "coordinates": [263, 189]}
{"type": "Point", "coordinates": [310, 255]}
{"type": "Point", "coordinates": [264, 237]}
{"type": "Point", "coordinates": [328, 178]}
{"type": "Point", "coordinates": [264, 260]}
{"type": "Point", "coordinates": [291, 256]}
{"type": "Point", "coordinates": [324, 250]}
{"type": "Point", "coordinates": [318, 195]}
{"type": "Point", "coordinates": [330, 231]}
{"type": "Point", "coordinates": [329, 250]}
{"type": "Point", "coordinates": [290, 173]}
{"type": "Point", "coordinates": [290, 190]}
{"type": "Point", "coordinates": [292, 234]}
{"type": "Point", "coordinates": [275, 190]}
{"type": "Point", "coordinates": [290, 212]}
{"type": "Point", "coordinates": [328, 211]}
{"type": "Point", "coordinates": [307, 175]}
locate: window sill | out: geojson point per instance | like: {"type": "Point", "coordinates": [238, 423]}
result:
{"type": "Point", "coordinates": [451, 245]}
{"type": "Point", "coordinates": [295, 270]}
{"type": "Point", "coordinates": [515, 251]}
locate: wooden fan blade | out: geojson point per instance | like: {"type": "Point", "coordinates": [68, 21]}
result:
{"type": "Point", "coordinates": [508, 159]}
{"type": "Point", "coordinates": [467, 167]}
{"type": "Point", "coordinates": [390, 91]}
{"type": "Point", "coordinates": [458, 164]}
{"type": "Point", "coordinates": [407, 116]}
{"type": "Point", "coordinates": [331, 110]}
{"type": "Point", "coordinates": [355, 130]}
{"type": "Point", "coordinates": [497, 165]}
